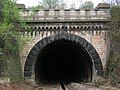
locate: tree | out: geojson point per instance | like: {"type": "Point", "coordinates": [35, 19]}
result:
{"type": "Point", "coordinates": [0, 11]}
{"type": "Point", "coordinates": [9, 41]}
{"type": "Point", "coordinates": [87, 5]}
{"type": "Point", "coordinates": [113, 62]}
{"type": "Point", "coordinates": [52, 4]}
{"type": "Point", "coordinates": [72, 6]}
{"type": "Point", "coordinates": [114, 2]}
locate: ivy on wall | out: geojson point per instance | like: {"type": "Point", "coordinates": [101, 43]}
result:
{"type": "Point", "coordinates": [113, 62]}
{"type": "Point", "coordinates": [10, 65]}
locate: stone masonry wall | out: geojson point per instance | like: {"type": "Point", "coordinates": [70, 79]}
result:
{"type": "Point", "coordinates": [96, 38]}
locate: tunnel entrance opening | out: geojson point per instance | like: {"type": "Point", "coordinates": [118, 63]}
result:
{"type": "Point", "coordinates": [63, 60]}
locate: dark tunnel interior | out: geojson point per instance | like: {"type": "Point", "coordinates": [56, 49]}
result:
{"type": "Point", "coordinates": [64, 61]}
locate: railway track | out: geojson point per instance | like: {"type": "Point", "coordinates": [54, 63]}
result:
{"type": "Point", "coordinates": [62, 86]}
{"type": "Point", "coordinates": [73, 86]}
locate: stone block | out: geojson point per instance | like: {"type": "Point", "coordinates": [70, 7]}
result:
{"type": "Point", "coordinates": [104, 88]}
{"type": "Point", "coordinates": [4, 80]}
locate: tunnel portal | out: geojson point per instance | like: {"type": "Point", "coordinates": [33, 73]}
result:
{"type": "Point", "coordinates": [63, 60]}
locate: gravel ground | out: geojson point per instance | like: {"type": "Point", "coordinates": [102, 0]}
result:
{"type": "Point", "coordinates": [53, 87]}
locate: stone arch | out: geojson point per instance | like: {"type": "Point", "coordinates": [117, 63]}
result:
{"type": "Point", "coordinates": [29, 68]}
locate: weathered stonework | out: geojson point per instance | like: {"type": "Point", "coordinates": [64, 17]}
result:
{"type": "Point", "coordinates": [88, 28]}
{"type": "Point", "coordinates": [97, 39]}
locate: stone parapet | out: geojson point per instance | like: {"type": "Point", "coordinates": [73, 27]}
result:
{"type": "Point", "coordinates": [67, 15]}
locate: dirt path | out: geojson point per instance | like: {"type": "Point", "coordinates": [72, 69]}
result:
{"type": "Point", "coordinates": [73, 86]}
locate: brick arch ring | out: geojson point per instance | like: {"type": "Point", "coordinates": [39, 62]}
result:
{"type": "Point", "coordinates": [33, 54]}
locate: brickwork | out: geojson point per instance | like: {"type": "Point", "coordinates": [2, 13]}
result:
{"type": "Point", "coordinates": [89, 26]}
{"type": "Point", "coordinates": [97, 39]}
